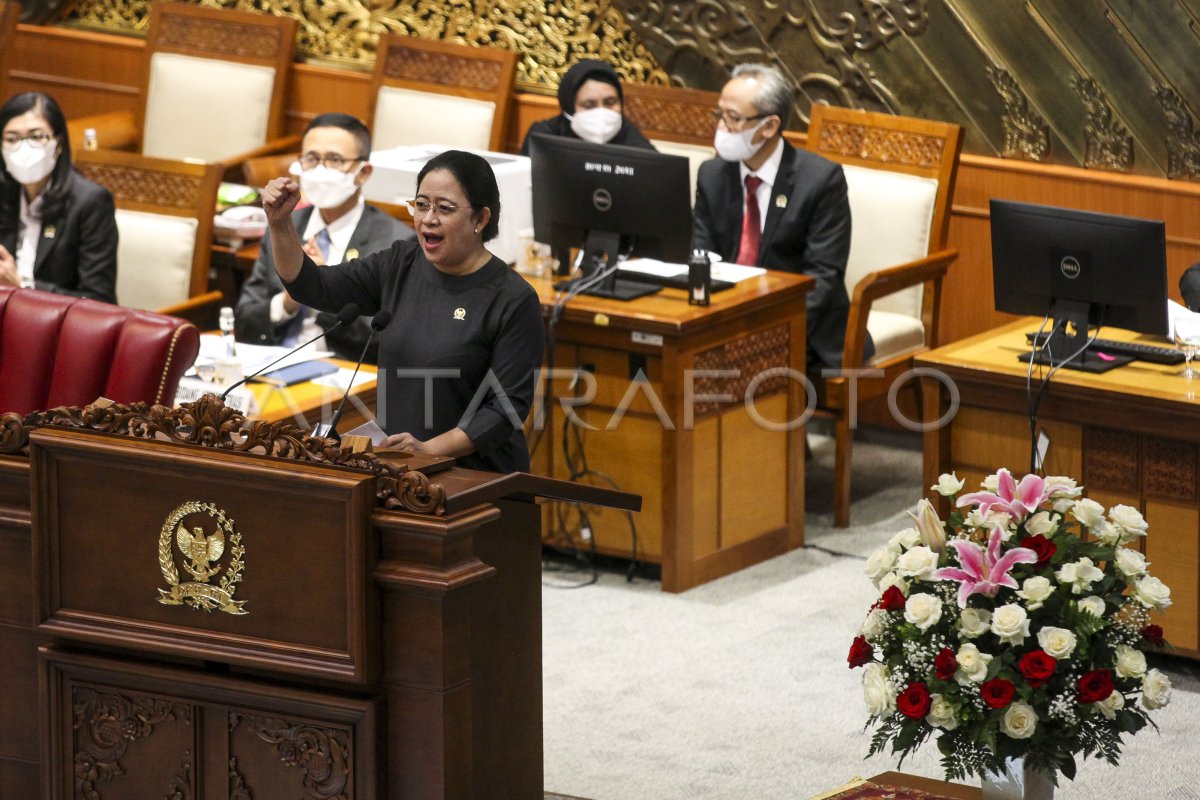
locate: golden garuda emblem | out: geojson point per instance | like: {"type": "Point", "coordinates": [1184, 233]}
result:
{"type": "Point", "coordinates": [200, 545]}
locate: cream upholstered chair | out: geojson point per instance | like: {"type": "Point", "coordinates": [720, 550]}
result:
{"type": "Point", "coordinates": [900, 176]}
{"type": "Point", "coordinates": [9, 11]}
{"type": "Point", "coordinates": [677, 121]}
{"type": "Point", "coordinates": [215, 83]}
{"type": "Point", "coordinates": [434, 92]}
{"type": "Point", "coordinates": [164, 221]}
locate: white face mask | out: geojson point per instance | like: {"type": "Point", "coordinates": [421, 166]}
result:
{"type": "Point", "coordinates": [737, 146]}
{"type": "Point", "coordinates": [596, 125]}
{"type": "Point", "coordinates": [328, 188]}
{"type": "Point", "coordinates": [28, 164]}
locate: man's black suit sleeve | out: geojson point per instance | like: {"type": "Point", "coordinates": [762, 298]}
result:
{"type": "Point", "coordinates": [827, 245]}
{"type": "Point", "coordinates": [252, 315]}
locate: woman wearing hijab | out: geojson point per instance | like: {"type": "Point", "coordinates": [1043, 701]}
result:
{"type": "Point", "coordinates": [591, 99]}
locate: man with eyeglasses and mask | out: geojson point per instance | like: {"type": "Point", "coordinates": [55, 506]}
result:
{"type": "Point", "coordinates": [337, 227]}
{"type": "Point", "coordinates": [764, 203]}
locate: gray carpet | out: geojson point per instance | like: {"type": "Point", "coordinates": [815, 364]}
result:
{"type": "Point", "coordinates": [739, 688]}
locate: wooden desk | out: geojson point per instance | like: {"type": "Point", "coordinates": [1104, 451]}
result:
{"type": "Point", "coordinates": [1129, 436]}
{"type": "Point", "coordinates": [309, 403]}
{"type": "Point", "coordinates": [721, 491]}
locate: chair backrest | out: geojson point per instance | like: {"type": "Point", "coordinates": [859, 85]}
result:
{"type": "Point", "coordinates": [258, 171]}
{"type": "Point", "coordinates": [435, 92]}
{"type": "Point", "coordinates": [164, 220]}
{"type": "Point", "coordinates": [676, 121]}
{"type": "Point", "coordinates": [215, 81]}
{"type": "Point", "coordinates": [9, 11]}
{"type": "Point", "coordinates": [900, 174]}
{"type": "Point", "coordinates": [58, 350]}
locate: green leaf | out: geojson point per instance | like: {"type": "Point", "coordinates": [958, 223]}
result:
{"type": "Point", "coordinates": [1066, 765]}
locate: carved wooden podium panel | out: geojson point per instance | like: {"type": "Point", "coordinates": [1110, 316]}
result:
{"type": "Point", "coordinates": [196, 605]}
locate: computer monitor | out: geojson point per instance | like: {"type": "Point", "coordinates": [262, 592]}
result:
{"type": "Point", "coordinates": [610, 201]}
{"type": "Point", "coordinates": [1083, 269]}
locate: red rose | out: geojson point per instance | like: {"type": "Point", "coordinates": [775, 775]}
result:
{"type": "Point", "coordinates": [1042, 546]}
{"type": "Point", "coordinates": [861, 652]}
{"type": "Point", "coordinates": [997, 692]}
{"type": "Point", "coordinates": [1037, 667]}
{"type": "Point", "coordinates": [1095, 686]}
{"type": "Point", "coordinates": [913, 702]}
{"type": "Point", "coordinates": [892, 600]}
{"type": "Point", "coordinates": [1153, 634]}
{"type": "Point", "coordinates": [945, 664]}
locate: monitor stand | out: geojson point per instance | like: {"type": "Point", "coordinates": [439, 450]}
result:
{"type": "Point", "coordinates": [601, 252]}
{"type": "Point", "coordinates": [1060, 343]}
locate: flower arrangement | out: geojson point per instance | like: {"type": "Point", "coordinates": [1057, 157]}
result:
{"type": "Point", "coordinates": [1017, 628]}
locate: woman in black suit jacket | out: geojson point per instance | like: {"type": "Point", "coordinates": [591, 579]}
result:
{"type": "Point", "coordinates": [58, 230]}
{"type": "Point", "coordinates": [591, 101]}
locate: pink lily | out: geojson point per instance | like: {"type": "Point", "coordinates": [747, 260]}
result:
{"type": "Point", "coordinates": [984, 572]}
{"type": "Point", "coordinates": [1017, 499]}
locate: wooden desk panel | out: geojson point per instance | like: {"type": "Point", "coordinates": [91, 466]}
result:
{"type": "Point", "coordinates": [1129, 436]}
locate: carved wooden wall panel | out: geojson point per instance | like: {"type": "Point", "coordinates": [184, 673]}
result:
{"type": "Point", "coordinates": [1111, 460]}
{"type": "Point", "coordinates": [750, 356]}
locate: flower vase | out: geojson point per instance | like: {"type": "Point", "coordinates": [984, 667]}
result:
{"type": "Point", "coordinates": [1018, 782]}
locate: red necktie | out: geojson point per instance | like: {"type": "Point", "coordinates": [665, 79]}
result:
{"type": "Point", "coordinates": [751, 225]}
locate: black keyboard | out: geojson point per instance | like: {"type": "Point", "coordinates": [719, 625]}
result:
{"type": "Point", "coordinates": [677, 281]}
{"type": "Point", "coordinates": [1139, 351]}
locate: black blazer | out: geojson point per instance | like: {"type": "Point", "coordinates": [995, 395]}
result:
{"type": "Point", "coordinates": [807, 231]}
{"type": "Point", "coordinates": [77, 253]}
{"type": "Point", "coordinates": [252, 317]}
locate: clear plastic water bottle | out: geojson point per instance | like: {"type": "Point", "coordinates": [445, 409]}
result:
{"type": "Point", "coordinates": [226, 324]}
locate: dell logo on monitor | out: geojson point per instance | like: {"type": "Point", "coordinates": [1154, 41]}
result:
{"type": "Point", "coordinates": [602, 200]}
{"type": "Point", "coordinates": [1069, 267]}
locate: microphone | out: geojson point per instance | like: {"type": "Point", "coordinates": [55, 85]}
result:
{"type": "Point", "coordinates": [348, 314]}
{"type": "Point", "coordinates": [329, 431]}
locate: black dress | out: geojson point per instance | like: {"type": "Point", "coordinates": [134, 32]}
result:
{"type": "Point", "coordinates": [461, 350]}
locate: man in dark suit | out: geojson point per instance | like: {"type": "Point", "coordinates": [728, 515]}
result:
{"type": "Point", "coordinates": [763, 202]}
{"type": "Point", "coordinates": [337, 227]}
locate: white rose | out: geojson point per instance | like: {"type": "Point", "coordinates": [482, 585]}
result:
{"type": "Point", "coordinates": [923, 610]}
{"type": "Point", "coordinates": [1088, 512]}
{"type": "Point", "coordinates": [947, 485]}
{"type": "Point", "coordinates": [972, 665]}
{"type": "Point", "coordinates": [1040, 524]}
{"type": "Point", "coordinates": [974, 622]}
{"type": "Point", "coordinates": [1060, 486]}
{"type": "Point", "coordinates": [878, 691]}
{"type": "Point", "coordinates": [991, 483]}
{"type": "Point", "coordinates": [941, 713]}
{"type": "Point", "coordinates": [1130, 562]}
{"type": "Point", "coordinates": [1093, 605]}
{"type": "Point", "coordinates": [1079, 575]}
{"type": "Point", "coordinates": [919, 562]}
{"type": "Point", "coordinates": [874, 625]}
{"type": "Point", "coordinates": [1152, 592]}
{"type": "Point", "coordinates": [1110, 707]}
{"type": "Point", "coordinates": [892, 579]}
{"type": "Point", "coordinates": [1156, 690]}
{"type": "Point", "coordinates": [1010, 623]}
{"type": "Point", "coordinates": [880, 563]}
{"type": "Point", "coordinates": [1020, 720]}
{"type": "Point", "coordinates": [904, 539]}
{"type": "Point", "coordinates": [995, 518]}
{"type": "Point", "coordinates": [1130, 662]}
{"type": "Point", "coordinates": [1106, 533]}
{"type": "Point", "coordinates": [1129, 521]}
{"type": "Point", "coordinates": [1058, 643]}
{"type": "Point", "coordinates": [1035, 591]}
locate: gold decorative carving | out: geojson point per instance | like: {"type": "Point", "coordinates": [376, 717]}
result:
{"type": "Point", "coordinates": [1170, 469]}
{"type": "Point", "coordinates": [105, 724]}
{"type": "Point", "coordinates": [209, 423]}
{"type": "Point", "coordinates": [750, 356]}
{"type": "Point", "coordinates": [144, 185]}
{"type": "Point", "coordinates": [1111, 460]}
{"type": "Point", "coordinates": [1183, 142]}
{"type": "Point", "coordinates": [877, 144]}
{"type": "Point", "coordinates": [323, 754]}
{"type": "Point", "coordinates": [1026, 134]}
{"type": "Point", "coordinates": [201, 558]}
{"type": "Point", "coordinates": [1108, 144]}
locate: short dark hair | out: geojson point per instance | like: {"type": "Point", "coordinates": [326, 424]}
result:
{"type": "Point", "coordinates": [55, 197]}
{"type": "Point", "coordinates": [477, 180]}
{"type": "Point", "coordinates": [353, 125]}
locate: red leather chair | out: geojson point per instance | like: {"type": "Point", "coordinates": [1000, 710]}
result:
{"type": "Point", "coordinates": [57, 350]}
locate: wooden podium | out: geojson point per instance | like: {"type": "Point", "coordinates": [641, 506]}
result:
{"type": "Point", "coordinates": [194, 605]}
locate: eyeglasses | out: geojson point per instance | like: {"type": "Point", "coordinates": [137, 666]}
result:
{"type": "Point", "coordinates": [39, 139]}
{"type": "Point", "coordinates": [419, 208]}
{"type": "Point", "coordinates": [733, 120]}
{"type": "Point", "coordinates": [331, 160]}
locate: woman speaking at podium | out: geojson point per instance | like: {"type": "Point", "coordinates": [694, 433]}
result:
{"type": "Point", "coordinates": [457, 363]}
